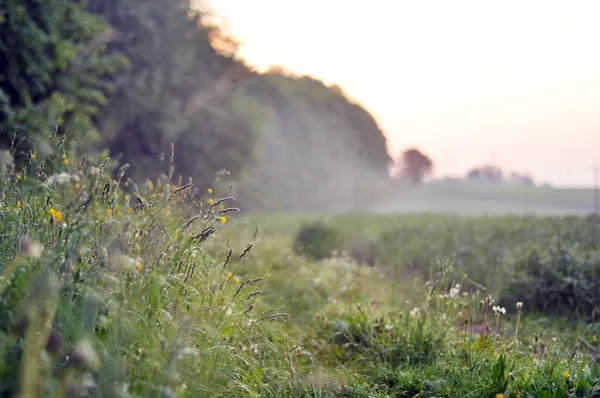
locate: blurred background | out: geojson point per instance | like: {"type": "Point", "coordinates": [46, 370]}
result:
{"type": "Point", "coordinates": [322, 105]}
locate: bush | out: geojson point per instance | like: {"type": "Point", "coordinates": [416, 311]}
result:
{"type": "Point", "coordinates": [316, 240]}
{"type": "Point", "coordinates": [555, 281]}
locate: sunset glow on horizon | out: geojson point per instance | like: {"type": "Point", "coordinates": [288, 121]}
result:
{"type": "Point", "coordinates": [514, 83]}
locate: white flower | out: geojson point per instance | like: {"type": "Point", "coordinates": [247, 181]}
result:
{"type": "Point", "coordinates": [519, 304]}
{"type": "Point", "coordinates": [455, 290]}
{"type": "Point", "coordinates": [62, 178]}
{"type": "Point", "coordinates": [498, 310]}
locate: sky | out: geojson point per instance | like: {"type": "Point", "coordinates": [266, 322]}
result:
{"type": "Point", "coordinates": [513, 82]}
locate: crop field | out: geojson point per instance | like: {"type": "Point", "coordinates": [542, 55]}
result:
{"type": "Point", "coordinates": [110, 289]}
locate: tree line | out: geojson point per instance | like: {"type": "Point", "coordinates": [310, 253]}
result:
{"type": "Point", "coordinates": [132, 77]}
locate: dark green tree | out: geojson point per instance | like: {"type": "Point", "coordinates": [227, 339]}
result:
{"type": "Point", "coordinates": [176, 91]}
{"type": "Point", "coordinates": [53, 74]}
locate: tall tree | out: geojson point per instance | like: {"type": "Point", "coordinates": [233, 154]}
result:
{"type": "Point", "coordinates": [413, 165]}
{"type": "Point", "coordinates": [175, 92]}
{"type": "Point", "coordinates": [316, 149]}
{"type": "Point", "coordinates": [52, 72]}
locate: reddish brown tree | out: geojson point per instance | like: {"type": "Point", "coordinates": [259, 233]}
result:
{"type": "Point", "coordinates": [412, 165]}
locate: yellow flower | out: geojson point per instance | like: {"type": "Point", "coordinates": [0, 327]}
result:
{"type": "Point", "coordinates": [65, 161]}
{"type": "Point", "coordinates": [499, 395]}
{"type": "Point", "coordinates": [168, 212]}
{"type": "Point", "coordinates": [34, 156]}
{"type": "Point", "coordinates": [565, 374]}
{"type": "Point", "coordinates": [173, 188]}
{"type": "Point", "coordinates": [109, 212]}
{"type": "Point", "coordinates": [236, 280]}
{"type": "Point", "coordinates": [64, 155]}
{"type": "Point", "coordinates": [19, 177]}
{"type": "Point", "coordinates": [221, 207]}
{"type": "Point", "coordinates": [129, 210]}
{"type": "Point", "coordinates": [126, 184]}
{"type": "Point", "coordinates": [18, 204]}
{"type": "Point", "coordinates": [139, 266]}
{"type": "Point", "coordinates": [210, 201]}
{"type": "Point", "coordinates": [223, 219]}
{"type": "Point", "coordinates": [77, 185]}
{"type": "Point", "coordinates": [228, 276]}
{"type": "Point", "coordinates": [56, 215]}
{"type": "Point", "coordinates": [209, 190]}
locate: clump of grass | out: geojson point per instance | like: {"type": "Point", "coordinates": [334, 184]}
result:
{"type": "Point", "coordinates": [108, 291]}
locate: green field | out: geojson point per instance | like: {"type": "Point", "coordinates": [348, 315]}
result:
{"type": "Point", "coordinates": [166, 295]}
{"type": "Point", "coordinates": [472, 200]}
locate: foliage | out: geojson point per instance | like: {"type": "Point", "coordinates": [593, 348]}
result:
{"type": "Point", "coordinates": [122, 296]}
{"type": "Point", "coordinates": [316, 240]}
{"type": "Point", "coordinates": [413, 165]}
{"type": "Point", "coordinates": [315, 150]}
{"type": "Point", "coordinates": [176, 92]}
{"type": "Point", "coordinates": [147, 294]}
{"type": "Point", "coordinates": [52, 73]}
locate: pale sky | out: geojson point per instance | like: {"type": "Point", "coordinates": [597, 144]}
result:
{"type": "Point", "coordinates": [515, 82]}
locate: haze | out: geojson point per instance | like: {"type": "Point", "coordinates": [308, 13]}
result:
{"type": "Point", "coordinates": [515, 83]}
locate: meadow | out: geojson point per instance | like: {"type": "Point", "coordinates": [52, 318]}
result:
{"type": "Point", "coordinates": [113, 289]}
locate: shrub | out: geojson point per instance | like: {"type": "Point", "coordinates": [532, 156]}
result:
{"type": "Point", "coordinates": [555, 281]}
{"type": "Point", "coordinates": [316, 240]}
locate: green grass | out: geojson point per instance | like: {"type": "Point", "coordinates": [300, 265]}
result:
{"type": "Point", "coordinates": [174, 294]}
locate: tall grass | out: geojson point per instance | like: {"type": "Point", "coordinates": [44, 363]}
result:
{"type": "Point", "coordinates": [112, 288]}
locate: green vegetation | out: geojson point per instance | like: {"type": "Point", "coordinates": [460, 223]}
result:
{"type": "Point", "coordinates": [137, 277]}
{"type": "Point", "coordinates": [162, 292]}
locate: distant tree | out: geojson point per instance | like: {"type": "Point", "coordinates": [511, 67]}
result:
{"type": "Point", "coordinates": [520, 179]}
{"type": "Point", "coordinates": [487, 174]}
{"type": "Point", "coordinates": [413, 165]}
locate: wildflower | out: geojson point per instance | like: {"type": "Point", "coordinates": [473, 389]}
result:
{"type": "Point", "coordinates": [168, 212]}
{"type": "Point", "coordinates": [455, 290]}
{"type": "Point", "coordinates": [519, 305]}
{"type": "Point", "coordinates": [19, 177]}
{"type": "Point", "coordinates": [64, 155]}
{"type": "Point", "coordinates": [65, 161]}
{"type": "Point", "coordinates": [62, 178]}
{"type": "Point", "coordinates": [55, 215]}
{"type": "Point", "coordinates": [210, 201]}
{"type": "Point", "coordinates": [209, 190]}
{"type": "Point", "coordinates": [34, 156]}
{"type": "Point", "coordinates": [221, 207]}
{"type": "Point", "coordinates": [498, 310]}
{"type": "Point", "coordinates": [499, 395]}
{"type": "Point", "coordinates": [77, 185]}
{"type": "Point", "coordinates": [18, 204]}
{"type": "Point", "coordinates": [236, 280]}
{"type": "Point", "coordinates": [223, 219]}
{"type": "Point", "coordinates": [129, 210]}
{"type": "Point", "coordinates": [139, 266]}
{"type": "Point", "coordinates": [126, 184]}
{"type": "Point", "coordinates": [565, 374]}
{"type": "Point", "coordinates": [228, 276]}
{"type": "Point", "coordinates": [109, 212]}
